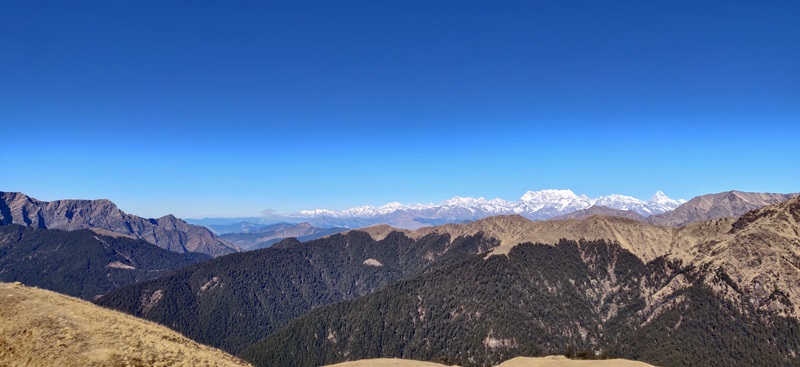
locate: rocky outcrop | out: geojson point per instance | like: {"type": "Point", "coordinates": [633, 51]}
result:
{"type": "Point", "coordinates": [167, 232]}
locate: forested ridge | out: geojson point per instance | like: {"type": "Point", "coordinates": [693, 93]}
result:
{"type": "Point", "coordinates": [82, 263]}
{"type": "Point", "coordinates": [588, 297]}
{"type": "Point", "coordinates": [233, 301]}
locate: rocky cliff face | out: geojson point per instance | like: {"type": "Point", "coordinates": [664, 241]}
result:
{"type": "Point", "coordinates": [166, 232]}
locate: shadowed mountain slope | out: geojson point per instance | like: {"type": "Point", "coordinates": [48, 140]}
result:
{"type": "Point", "coordinates": [82, 263]}
{"type": "Point", "coordinates": [540, 300]}
{"type": "Point", "coordinates": [232, 301]}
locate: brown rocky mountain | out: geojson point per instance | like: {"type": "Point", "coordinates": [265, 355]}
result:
{"type": "Point", "coordinates": [602, 210]}
{"type": "Point", "coordinates": [44, 328]}
{"type": "Point", "coordinates": [756, 256]}
{"type": "Point", "coordinates": [731, 204]}
{"type": "Point", "coordinates": [167, 232]}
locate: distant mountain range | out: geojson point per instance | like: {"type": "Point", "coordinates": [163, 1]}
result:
{"type": "Point", "coordinates": [533, 205]}
{"type": "Point", "coordinates": [167, 232]}
{"type": "Point", "coordinates": [261, 236]}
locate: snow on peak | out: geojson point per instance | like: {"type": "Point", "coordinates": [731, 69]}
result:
{"type": "Point", "coordinates": [541, 204]}
{"type": "Point", "coordinates": [548, 195]}
{"type": "Point", "coordinates": [465, 201]}
{"type": "Point", "coordinates": [616, 199]}
{"type": "Point", "coordinates": [660, 197]}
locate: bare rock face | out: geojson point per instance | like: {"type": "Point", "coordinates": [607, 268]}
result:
{"type": "Point", "coordinates": [731, 204]}
{"type": "Point", "coordinates": [167, 232]}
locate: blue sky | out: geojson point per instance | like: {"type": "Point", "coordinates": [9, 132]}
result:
{"type": "Point", "coordinates": [209, 108]}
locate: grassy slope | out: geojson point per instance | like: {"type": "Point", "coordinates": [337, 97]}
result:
{"type": "Point", "coordinates": [43, 328]}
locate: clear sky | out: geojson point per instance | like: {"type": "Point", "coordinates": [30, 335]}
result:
{"type": "Point", "coordinates": [229, 108]}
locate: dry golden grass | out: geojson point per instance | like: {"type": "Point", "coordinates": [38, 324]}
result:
{"type": "Point", "coordinates": [43, 328]}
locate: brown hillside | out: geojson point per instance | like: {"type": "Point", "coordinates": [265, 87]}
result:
{"type": "Point", "coordinates": [43, 328]}
{"type": "Point", "coordinates": [758, 255]}
{"type": "Point", "coordinates": [602, 210]}
{"type": "Point", "coordinates": [731, 204]}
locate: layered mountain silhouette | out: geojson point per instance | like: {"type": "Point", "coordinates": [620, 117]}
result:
{"type": "Point", "coordinates": [167, 232]}
{"type": "Point", "coordinates": [272, 234]}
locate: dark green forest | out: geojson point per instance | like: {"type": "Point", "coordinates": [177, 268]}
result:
{"type": "Point", "coordinates": [585, 297]}
{"type": "Point", "coordinates": [77, 262]}
{"type": "Point", "coordinates": [235, 300]}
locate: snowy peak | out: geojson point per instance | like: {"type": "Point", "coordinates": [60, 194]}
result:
{"type": "Point", "coordinates": [548, 195]}
{"type": "Point", "coordinates": [615, 200]}
{"type": "Point", "coordinates": [535, 205]}
{"type": "Point", "coordinates": [660, 198]}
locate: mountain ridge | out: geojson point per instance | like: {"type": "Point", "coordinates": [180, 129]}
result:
{"type": "Point", "coordinates": [728, 204]}
{"type": "Point", "coordinates": [167, 232]}
{"type": "Point", "coordinates": [83, 263]}
{"type": "Point", "coordinates": [543, 204]}
{"type": "Point", "coordinates": [743, 246]}
{"type": "Point", "coordinates": [540, 299]}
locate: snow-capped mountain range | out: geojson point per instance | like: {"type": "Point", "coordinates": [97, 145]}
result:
{"type": "Point", "coordinates": [534, 205]}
